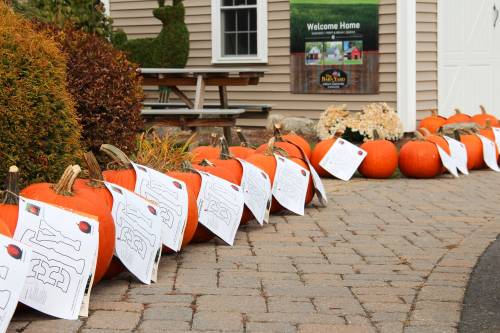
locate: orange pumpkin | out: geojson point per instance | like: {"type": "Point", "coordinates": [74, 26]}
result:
{"type": "Point", "coordinates": [484, 117]}
{"type": "Point", "coordinates": [420, 159]}
{"type": "Point", "coordinates": [9, 208]}
{"type": "Point", "coordinates": [289, 150]}
{"type": "Point", "coordinates": [300, 142]}
{"type": "Point", "coordinates": [433, 122]}
{"type": "Point", "coordinates": [318, 153]}
{"type": "Point", "coordinates": [474, 147]}
{"type": "Point", "coordinates": [65, 195]}
{"type": "Point", "coordinates": [206, 152]}
{"type": "Point", "coordinates": [381, 160]}
{"type": "Point", "coordinates": [436, 139]}
{"type": "Point", "coordinates": [458, 117]}
{"type": "Point", "coordinates": [243, 150]}
{"type": "Point", "coordinates": [4, 229]}
{"type": "Point", "coordinates": [487, 131]}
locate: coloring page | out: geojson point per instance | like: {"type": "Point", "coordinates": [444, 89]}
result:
{"type": "Point", "coordinates": [64, 245]}
{"type": "Point", "coordinates": [343, 159]}
{"type": "Point", "coordinates": [172, 199]}
{"type": "Point", "coordinates": [459, 154]}
{"type": "Point", "coordinates": [319, 188]}
{"type": "Point", "coordinates": [489, 153]}
{"type": "Point", "coordinates": [84, 309]}
{"type": "Point", "coordinates": [290, 184]}
{"type": "Point", "coordinates": [448, 162]}
{"type": "Point", "coordinates": [220, 206]}
{"type": "Point", "coordinates": [138, 232]}
{"type": "Point", "coordinates": [496, 132]}
{"type": "Point", "coordinates": [256, 187]}
{"type": "Point", "coordinates": [15, 261]}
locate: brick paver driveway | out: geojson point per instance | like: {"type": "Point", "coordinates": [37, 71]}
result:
{"type": "Point", "coordinates": [385, 256]}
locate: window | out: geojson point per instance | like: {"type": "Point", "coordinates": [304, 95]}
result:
{"type": "Point", "coordinates": [239, 31]}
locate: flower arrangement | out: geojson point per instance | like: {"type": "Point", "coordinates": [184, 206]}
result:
{"type": "Point", "coordinates": [376, 116]}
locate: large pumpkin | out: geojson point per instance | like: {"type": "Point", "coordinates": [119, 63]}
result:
{"type": "Point", "coordinates": [9, 208]}
{"type": "Point", "coordinates": [65, 195]}
{"type": "Point", "coordinates": [381, 160]}
{"type": "Point", "coordinates": [318, 153]}
{"type": "Point", "coordinates": [206, 152]}
{"type": "Point", "coordinates": [482, 118]}
{"type": "Point", "coordinates": [287, 149]}
{"type": "Point", "coordinates": [300, 142]}
{"type": "Point", "coordinates": [458, 117]}
{"type": "Point", "coordinates": [474, 147]}
{"type": "Point", "coordinates": [420, 159]}
{"type": "Point", "coordinates": [433, 122]}
{"type": "Point", "coordinates": [243, 150]}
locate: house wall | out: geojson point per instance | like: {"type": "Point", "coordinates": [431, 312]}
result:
{"type": "Point", "coordinates": [135, 17]}
{"type": "Point", "coordinates": [427, 57]}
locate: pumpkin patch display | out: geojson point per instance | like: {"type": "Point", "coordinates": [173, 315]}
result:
{"type": "Point", "coordinates": [458, 117]}
{"type": "Point", "coordinates": [64, 194]}
{"type": "Point", "coordinates": [319, 151]}
{"type": "Point", "coordinates": [9, 207]}
{"type": "Point", "coordinates": [482, 118]}
{"type": "Point", "coordinates": [420, 158]}
{"type": "Point", "coordinates": [382, 158]}
{"type": "Point", "coordinates": [432, 122]}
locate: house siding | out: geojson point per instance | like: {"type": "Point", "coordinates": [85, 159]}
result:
{"type": "Point", "coordinates": [135, 17]}
{"type": "Point", "coordinates": [427, 57]}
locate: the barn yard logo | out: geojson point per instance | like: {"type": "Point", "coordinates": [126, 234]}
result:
{"type": "Point", "coordinates": [333, 79]}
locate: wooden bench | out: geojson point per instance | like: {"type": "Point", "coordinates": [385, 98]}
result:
{"type": "Point", "coordinates": [252, 111]}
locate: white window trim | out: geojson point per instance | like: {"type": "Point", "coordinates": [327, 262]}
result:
{"type": "Point", "coordinates": [260, 58]}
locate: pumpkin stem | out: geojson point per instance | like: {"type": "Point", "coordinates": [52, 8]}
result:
{"type": "Point", "coordinates": [457, 111]}
{"type": "Point", "coordinates": [213, 139]}
{"type": "Point", "coordinates": [11, 196]}
{"type": "Point", "coordinates": [419, 135]}
{"type": "Point", "coordinates": [187, 166]}
{"type": "Point", "coordinates": [434, 112]}
{"type": "Point", "coordinates": [95, 173]}
{"type": "Point", "coordinates": [65, 184]}
{"type": "Point", "coordinates": [456, 134]}
{"type": "Point", "coordinates": [376, 136]}
{"type": "Point", "coordinates": [116, 154]}
{"type": "Point", "coordinates": [483, 109]}
{"type": "Point", "coordinates": [206, 162]}
{"type": "Point", "coordinates": [277, 132]}
{"type": "Point", "coordinates": [488, 124]}
{"type": "Point", "coordinates": [425, 131]}
{"type": "Point", "coordinates": [225, 154]}
{"type": "Point", "coordinates": [243, 140]}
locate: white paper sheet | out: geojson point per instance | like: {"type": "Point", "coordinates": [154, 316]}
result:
{"type": "Point", "coordinates": [489, 153]}
{"type": "Point", "coordinates": [496, 132]}
{"type": "Point", "coordinates": [290, 184]}
{"type": "Point", "coordinates": [138, 232]}
{"type": "Point", "coordinates": [257, 192]}
{"type": "Point", "coordinates": [343, 159]}
{"type": "Point", "coordinates": [64, 245]}
{"type": "Point", "coordinates": [448, 162]}
{"type": "Point", "coordinates": [220, 206]}
{"type": "Point", "coordinates": [459, 154]}
{"type": "Point", "coordinates": [172, 199]}
{"type": "Point", "coordinates": [319, 188]}
{"type": "Point", "coordinates": [14, 265]}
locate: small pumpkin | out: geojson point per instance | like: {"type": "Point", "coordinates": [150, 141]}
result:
{"type": "Point", "coordinates": [382, 159]}
{"type": "Point", "coordinates": [319, 151]}
{"type": "Point", "coordinates": [300, 142]}
{"type": "Point", "coordinates": [484, 117]}
{"type": "Point", "coordinates": [432, 122]}
{"type": "Point", "coordinates": [65, 195]}
{"type": "Point", "coordinates": [243, 150]}
{"type": "Point", "coordinates": [436, 139]}
{"type": "Point", "coordinates": [420, 158]}
{"type": "Point", "coordinates": [474, 147]}
{"type": "Point", "coordinates": [9, 208]}
{"type": "Point", "coordinates": [487, 130]}
{"type": "Point", "coordinates": [206, 152]}
{"type": "Point", "coordinates": [279, 142]}
{"type": "Point", "coordinates": [458, 117]}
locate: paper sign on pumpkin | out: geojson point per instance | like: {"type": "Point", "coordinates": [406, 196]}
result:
{"type": "Point", "coordinates": [257, 192]}
{"type": "Point", "coordinates": [343, 159]}
{"type": "Point", "coordinates": [290, 184]}
{"type": "Point", "coordinates": [172, 199]}
{"type": "Point", "coordinates": [138, 232]}
{"type": "Point", "coordinates": [64, 246]}
{"type": "Point", "coordinates": [15, 260]}
{"type": "Point", "coordinates": [448, 162]}
{"type": "Point", "coordinates": [220, 206]}
{"type": "Point", "coordinates": [489, 153]}
{"type": "Point", "coordinates": [459, 154]}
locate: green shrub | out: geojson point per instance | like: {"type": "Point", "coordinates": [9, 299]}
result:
{"type": "Point", "coordinates": [39, 130]}
{"type": "Point", "coordinates": [169, 49]}
{"type": "Point", "coordinates": [106, 87]}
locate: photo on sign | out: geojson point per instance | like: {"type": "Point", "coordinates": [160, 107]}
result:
{"type": "Point", "coordinates": [348, 52]}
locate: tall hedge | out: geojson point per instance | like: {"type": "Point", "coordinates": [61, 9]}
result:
{"type": "Point", "coordinates": [106, 87]}
{"type": "Point", "coordinates": [39, 130]}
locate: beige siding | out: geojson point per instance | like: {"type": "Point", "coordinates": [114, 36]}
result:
{"type": "Point", "coordinates": [427, 67]}
{"type": "Point", "coordinates": [135, 17]}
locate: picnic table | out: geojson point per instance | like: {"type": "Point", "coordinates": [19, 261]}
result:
{"type": "Point", "coordinates": [196, 113]}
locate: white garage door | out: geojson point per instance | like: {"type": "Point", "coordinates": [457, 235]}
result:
{"type": "Point", "coordinates": [469, 55]}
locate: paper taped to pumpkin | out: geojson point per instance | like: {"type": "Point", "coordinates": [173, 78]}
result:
{"type": "Point", "coordinates": [171, 196]}
{"type": "Point", "coordinates": [448, 162]}
{"type": "Point", "coordinates": [138, 232]}
{"type": "Point", "coordinates": [257, 191]}
{"type": "Point", "coordinates": [458, 153]}
{"type": "Point", "coordinates": [343, 159]}
{"type": "Point", "coordinates": [490, 153]}
{"type": "Point", "coordinates": [64, 245]}
{"type": "Point", "coordinates": [290, 184]}
{"type": "Point", "coordinates": [15, 261]}
{"type": "Point", "coordinates": [220, 206]}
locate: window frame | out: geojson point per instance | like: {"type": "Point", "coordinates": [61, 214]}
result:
{"type": "Point", "coordinates": [262, 52]}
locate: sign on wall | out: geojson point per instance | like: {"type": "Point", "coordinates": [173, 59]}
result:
{"type": "Point", "coordinates": [334, 46]}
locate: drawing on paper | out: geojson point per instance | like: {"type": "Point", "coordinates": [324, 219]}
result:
{"type": "Point", "coordinates": [220, 202]}
{"type": "Point", "coordinates": [53, 272]}
{"type": "Point", "coordinates": [4, 294]}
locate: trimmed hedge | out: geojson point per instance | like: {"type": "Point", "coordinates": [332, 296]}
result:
{"type": "Point", "coordinates": [39, 131]}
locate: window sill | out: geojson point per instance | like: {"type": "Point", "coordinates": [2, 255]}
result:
{"type": "Point", "coordinates": [238, 60]}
